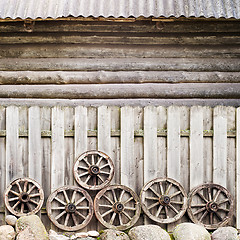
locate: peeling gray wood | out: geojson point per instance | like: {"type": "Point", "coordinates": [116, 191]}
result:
{"type": "Point", "coordinates": [238, 168]}
{"type": "Point", "coordinates": [88, 91]}
{"type": "Point", "coordinates": [100, 77]}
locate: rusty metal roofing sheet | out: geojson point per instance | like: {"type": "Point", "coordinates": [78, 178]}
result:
{"type": "Point", "coordinates": [118, 8]}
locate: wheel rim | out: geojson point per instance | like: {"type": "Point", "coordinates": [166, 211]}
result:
{"type": "Point", "coordinates": [163, 200]}
{"type": "Point", "coordinates": [117, 207]}
{"type": "Point", "coordinates": [24, 196]}
{"type": "Point", "coordinates": [210, 205]}
{"type": "Point", "coordinates": [93, 170]}
{"type": "Point", "coordinates": [70, 208]}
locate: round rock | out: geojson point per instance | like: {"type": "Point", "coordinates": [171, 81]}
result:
{"type": "Point", "coordinates": [7, 232]}
{"type": "Point", "coordinates": [225, 233]}
{"type": "Point", "coordinates": [148, 232]}
{"type": "Point", "coordinates": [11, 220]}
{"type": "Point", "coordinates": [110, 234]}
{"type": "Point", "coordinates": [94, 234]}
{"type": "Point", "coordinates": [190, 231]}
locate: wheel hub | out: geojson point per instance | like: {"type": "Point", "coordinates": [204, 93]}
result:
{"type": "Point", "coordinates": [24, 197]}
{"type": "Point", "coordinates": [71, 208]}
{"type": "Point", "coordinates": [164, 200]}
{"type": "Point", "coordinates": [94, 170]}
{"type": "Point", "coordinates": [212, 206]}
{"type": "Point", "coordinates": [118, 207]}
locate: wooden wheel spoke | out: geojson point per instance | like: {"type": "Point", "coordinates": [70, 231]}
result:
{"type": "Point", "coordinates": [105, 206]}
{"type": "Point", "coordinates": [211, 218]}
{"type": "Point", "coordinates": [22, 207]}
{"type": "Point", "coordinates": [19, 187]}
{"type": "Point", "coordinates": [82, 208]}
{"type": "Point", "coordinates": [199, 210]}
{"type": "Point", "coordinates": [161, 188]}
{"type": "Point", "coordinates": [80, 200]}
{"type": "Point", "coordinates": [82, 167]}
{"type": "Point", "coordinates": [126, 214]}
{"type": "Point", "coordinates": [202, 197]}
{"type": "Point", "coordinates": [29, 206]}
{"type": "Point", "coordinates": [153, 205]}
{"type": "Point", "coordinates": [15, 205]}
{"type": "Point", "coordinates": [13, 199]}
{"type": "Point", "coordinates": [88, 178]}
{"type": "Point", "coordinates": [93, 160]}
{"type": "Point", "coordinates": [106, 213]}
{"type": "Point", "coordinates": [108, 199]}
{"type": "Point", "coordinates": [104, 173]}
{"type": "Point", "coordinates": [168, 189]}
{"type": "Point", "coordinates": [199, 205]}
{"type": "Point", "coordinates": [60, 215]}
{"type": "Point", "coordinates": [81, 215]}
{"type": "Point", "coordinates": [100, 178]}
{"type": "Point", "coordinates": [216, 195]}
{"type": "Point", "coordinates": [176, 202]}
{"type": "Point", "coordinates": [223, 209]}
{"type": "Point", "coordinates": [66, 219]}
{"type": "Point", "coordinates": [175, 194]}
{"type": "Point", "coordinates": [155, 192]}
{"type": "Point", "coordinates": [83, 174]}
{"type": "Point", "coordinates": [32, 201]}
{"type": "Point", "coordinates": [166, 212]}
{"type": "Point", "coordinates": [99, 160]}
{"type": "Point", "coordinates": [112, 218]}
{"type": "Point", "coordinates": [60, 201]}
{"type": "Point", "coordinates": [120, 219]}
{"type": "Point", "coordinates": [86, 161]}
{"type": "Point", "coordinates": [58, 208]}
{"type": "Point", "coordinates": [218, 216]}
{"type": "Point", "coordinates": [121, 195]}
{"type": "Point", "coordinates": [128, 200]}
{"type": "Point", "coordinates": [173, 208]}
{"type": "Point", "coordinates": [15, 193]}
{"type": "Point", "coordinates": [34, 195]}
{"type": "Point", "coordinates": [130, 208]}
{"type": "Point", "coordinates": [74, 219]}
{"type": "Point", "coordinates": [203, 216]}
{"type": "Point", "coordinates": [159, 210]}
{"type": "Point", "coordinates": [94, 180]}
{"type": "Point", "coordinates": [25, 186]}
{"type": "Point", "coordinates": [152, 198]}
{"type": "Point", "coordinates": [66, 196]}
{"type": "Point", "coordinates": [114, 196]}
{"type": "Point", "coordinates": [30, 190]}
{"type": "Point", "coordinates": [222, 201]}
{"type": "Point", "coordinates": [209, 194]}
{"type": "Point", "coordinates": [105, 165]}
{"type": "Point", "coordinates": [73, 196]}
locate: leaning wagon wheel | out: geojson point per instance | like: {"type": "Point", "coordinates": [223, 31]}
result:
{"type": "Point", "coordinates": [93, 170]}
{"type": "Point", "coordinates": [210, 205]}
{"type": "Point", "coordinates": [70, 208]}
{"type": "Point", "coordinates": [24, 196]}
{"type": "Point", "coordinates": [163, 200]}
{"type": "Point", "coordinates": [117, 207]}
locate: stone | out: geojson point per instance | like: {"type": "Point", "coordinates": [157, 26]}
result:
{"type": "Point", "coordinates": [7, 232]}
{"type": "Point", "coordinates": [94, 234]}
{"type": "Point", "coordinates": [148, 232]}
{"type": "Point", "coordinates": [55, 236]}
{"type": "Point", "coordinates": [81, 235]}
{"type": "Point", "coordinates": [110, 234]}
{"type": "Point", "coordinates": [225, 233]}
{"type": "Point", "coordinates": [190, 231]}
{"type": "Point", "coordinates": [26, 234]}
{"type": "Point", "coordinates": [34, 225]}
{"type": "Point", "coordinates": [11, 220]}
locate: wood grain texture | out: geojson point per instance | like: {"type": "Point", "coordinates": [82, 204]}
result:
{"type": "Point", "coordinates": [220, 146]}
{"type": "Point", "coordinates": [238, 168]}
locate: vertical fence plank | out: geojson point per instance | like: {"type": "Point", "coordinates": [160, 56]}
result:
{"type": "Point", "coordinates": [2, 162]}
{"type": "Point", "coordinates": [104, 130]}
{"type": "Point", "coordinates": [34, 145]}
{"type": "Point", "coordinates": [92, 126]}
{"type": "Point", "coordinates": [127, 147]}
{"type": "Point", "coordinates": [238, 169]}
{"type": "Point", "coordinates": [150, 143]}
{"type": "Point", "coordinates": [14, 167]}
{"type": "Point", "coordinates": [57, 164]}
{"type": "Point", "coordinates": [69, 146]}
{"type": "Point", "coordinates": [196, 146]}
{"type": "Point", "coordinates": [173, 143]}
{"type": "Point", "coordinates": [220, 146]}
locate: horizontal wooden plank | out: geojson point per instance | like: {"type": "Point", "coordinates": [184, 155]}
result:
{"type": "Point", "coordinates": [116, 133]}
{"type": "Point", "coordinates": [118, 91]}
{"type": "Point", "coordinates": [117, 51]}
{"type": "Point", "coordinates": [60, 77]}
{"type": "Point", "coordinates": [123, 38]}
{"type": "Point", "coordinates": [120, 64]}
{"type": "Point", "coordinates": [138, 26]}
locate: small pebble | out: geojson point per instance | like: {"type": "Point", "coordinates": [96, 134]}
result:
{"type": "Point", "coordinates": [93, 234]}
{"type": "Point", "coordinates": [82, 235]}
{"type": "Point", "coordinates": [11, 220]}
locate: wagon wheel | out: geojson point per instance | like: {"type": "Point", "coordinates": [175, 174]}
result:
{"type": "Point", "coordinates": [93, 170]}
{"type": "Point", "coordinates": [24, 196]}
{"type": "Point", "coordinates": [117, 207]}
{"type": "Point", "coordinates": [70, 208]}
{"type": "Point", "coordinates": [210, 205]}
{"type": "Point", "coordinates": [163, 200]}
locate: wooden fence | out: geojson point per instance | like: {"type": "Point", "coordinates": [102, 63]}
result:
{"type": "Point", "coordinates": [193, 145]}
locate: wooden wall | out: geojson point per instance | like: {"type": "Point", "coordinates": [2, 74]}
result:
{"type": "Point", "coordinates": [192, 145]}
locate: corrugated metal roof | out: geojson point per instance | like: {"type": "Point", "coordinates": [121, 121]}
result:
{"type": "Point", "coordinates": [118, 8]}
